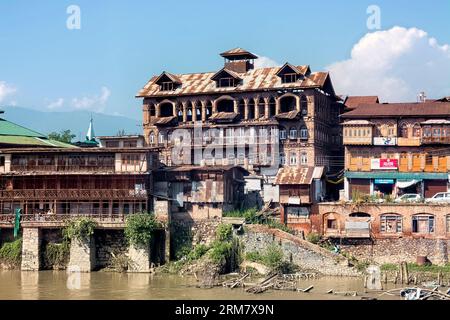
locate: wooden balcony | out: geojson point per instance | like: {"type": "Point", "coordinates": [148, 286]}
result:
{"type": "Point", "coordinates": [408, 142]}
{"type": "Point", "coordinates": [435, 140]}
{"type": "Point", "coordinates": [62, 168]}
{"type": "Point", "coordinates": [112, 221]}
{"type": "Point", "coordinates": [74, 194]}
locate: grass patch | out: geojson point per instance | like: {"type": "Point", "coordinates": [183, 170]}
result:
{"type": "Point", "coordinates": [11, 253]}
{"type": "Point", "coordinates": [413, 267]}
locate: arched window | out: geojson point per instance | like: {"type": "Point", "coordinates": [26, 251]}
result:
{"type": "Point", "coordinates": [251, 109]}
{"type": "Point", "coordinates": [423, 223]}
{"type": "Point", "coordinates": [303, 133]}
{"type": "Point", "coordinates": [293, 159]}
{"type": "Point", "coordinates": [208, 110]}
{"type": "Point", "coordinates": [404, 131]}
{"type": "Point", "coordinates": [242, 108]}
{"type": "Point", "coordinates": [287, 104]}
{"type": "Point", "coordinates": [293, 133]}
{"type": "Point", "coordinates": [162, 137]}
{"type": "Point", "coordinates": [189, 114]}
{"type": "Point", "coordinates": [391, 223]}
{"type": "Point", "coordinates": [261, 107]}
{"type": "Point", "coordinates": [198, 113]}
{"type": "Point", "coordinates": [359, 215]}
{"type": "Point", "coordinates": [272, 107]}
{"type": "Point", "coordinates": [166, 109]}
{"type": "Point", "coordinates": [417, 130]}
{"type": "Point", "coordinates": [225, 105]}
{"type": "Point", "coordinates": [282, 133]}
{"type": "Point", "coordinates": [152, 137]}
{"type": "Point", "coordinates": [304, 159]}
{"type": "Point", "coordinates": [180, 115]}
{"type": "Point", "coordinates": [303, 106]}
{"type": "Point", "coordinates": [282, 158]}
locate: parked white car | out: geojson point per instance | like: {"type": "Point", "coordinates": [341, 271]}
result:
{"type": "Point", "coordinates": [409, 197]}
{"type": "Point", "coordinates": [439, 197]}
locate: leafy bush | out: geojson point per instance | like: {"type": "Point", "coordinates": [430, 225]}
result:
{"type": "Point", "coordinates": [79, 229]}
{"type": "Point", "coordinates": [250, 215]}
{"type": "Point", "coordinates": [198, 252]}
{"type": "Point", "coordinates": [56, 254]}
{"type": "Point", "coordinates": [273, 256]}
{"type": "Point", "coordinates": [139, 228]}
{"type": "Point", "coordinates": [11, 253]}
{"type": "Point", "coordinates": [220, 251]}
{"type": "Point", "coordinates": [119, 262]}
{"type": "Point", "coordinates": [254, 256]}
{"type": "Point", "coordinates": [313, 237]}
{"type": "Point", "coordinates": [224, 232]}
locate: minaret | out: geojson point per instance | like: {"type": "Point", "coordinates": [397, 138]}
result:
{"type": "Point", "coordinates": [90, 136]}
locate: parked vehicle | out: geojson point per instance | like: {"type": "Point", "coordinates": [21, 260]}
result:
{"type": "Point", "coordinates": [439, 197]}
{"type": "Point", "coordinates": [409, 197]}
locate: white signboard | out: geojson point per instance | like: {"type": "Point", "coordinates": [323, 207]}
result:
{"type": "Point", "coordinates": [385, 141]}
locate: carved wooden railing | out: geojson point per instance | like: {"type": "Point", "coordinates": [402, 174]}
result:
{"type": "Point", "coordinates": [42, 217]}
{"type": "Point", "coordinates": [75, 194]}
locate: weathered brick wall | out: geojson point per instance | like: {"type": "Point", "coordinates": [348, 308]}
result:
{"type": "Point", "coordinates": [397, 250]}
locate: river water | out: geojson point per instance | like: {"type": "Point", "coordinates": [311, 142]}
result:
{"type": "Point", "coordinates": [109, 285]}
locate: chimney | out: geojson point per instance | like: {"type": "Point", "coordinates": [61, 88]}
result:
{"type": "Point", "coordinates": [239, 60]}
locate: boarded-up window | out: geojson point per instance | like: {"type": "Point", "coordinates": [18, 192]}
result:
{"type": "Point", "coordinates": [434, 186]}
{"type": "Point", "coordinates": [391, 223]}
{"type": "Point", "coordinates": [361, 186]}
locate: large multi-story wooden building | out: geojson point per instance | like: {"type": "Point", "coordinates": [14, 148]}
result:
{"type": "Point", "coordinates": [397, 148]}
{"type": "Point", "coordinates": [76, 181]}
{"type": "Point", "coordinates": [271, 116]}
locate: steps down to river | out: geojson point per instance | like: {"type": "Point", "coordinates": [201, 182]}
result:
{"type": "Point", "coordinates": [300, 252]}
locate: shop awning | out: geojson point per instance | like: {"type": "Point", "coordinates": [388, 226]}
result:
{"type": "Point", "coordinates": [402, 184]}
{"type": "Point", "coordinates": [397, 175]}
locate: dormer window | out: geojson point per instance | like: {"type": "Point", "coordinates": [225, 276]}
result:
{"type": "Point", "coordinates": [290, 74]}
{"type": "Point", "coordinates": [167, 86]}
{"type": "Point", "coordinates": [167, 82]}
{"type": "Point", "coordinates": [226, 82]}
{"type": "Point", "coordinates": [226, 78]}
{"type": "Point", "coordinates": [289, 78]}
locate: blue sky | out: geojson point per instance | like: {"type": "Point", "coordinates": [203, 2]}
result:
{"type": "Point", "coordinates": [44, 65]}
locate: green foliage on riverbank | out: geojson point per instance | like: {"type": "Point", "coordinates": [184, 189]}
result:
{"type": "Point", "coordinates": [413, 267]}
{"type": "Point", "coordinates": [79, 229]}
{"type": "Point", "coordinates": [313, 237]}
{"type": "Point", "coordinates": [271, 257]}
{"type": "Point", "coordinates": [139, 228]}
{"type": "Point", "coordinates": [11, 253]}
{"type": "Point", "coordinates": [251, 217]}
{"type": "Point", "coordinates": [56, 255]}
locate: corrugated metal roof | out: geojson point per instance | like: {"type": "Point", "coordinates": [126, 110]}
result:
{"type": "Point", "coordinates": [230, 116]}
{"type": "Point", "coordinates": [384, 110]}
{"type": "Point", "coordinates": [296, 175]}
{"type": "Point", "coordinates": [254, 79]}
{"type": "Point", "coordinates": [288, 115]}
{"type": "Point", "coordinates": [9, 128]}
{"type": "Point", "coordinates": [238, 52]}
{"type": "Point", "coordinates": [354, 101]}
{"type": "Point", "coordinates": [357, 123]}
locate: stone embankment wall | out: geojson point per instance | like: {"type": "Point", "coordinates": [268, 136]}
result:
{"type": "Point", "coordinates": [107, 243]}
{"type": "Point", "coordinates": [397, 250]}
{"type": "Point", "coordinates": [306, 255]}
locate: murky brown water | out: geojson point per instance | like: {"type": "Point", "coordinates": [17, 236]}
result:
{"type": "Point", "coordinates": [106, 285]}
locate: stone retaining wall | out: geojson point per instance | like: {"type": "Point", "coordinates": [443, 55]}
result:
{"type": "Point", "coordinates": [108, 242]}
{"type": "Point", "coordinates": [397, 250]}
{"type": "Point", "coordinates": [300, 252]}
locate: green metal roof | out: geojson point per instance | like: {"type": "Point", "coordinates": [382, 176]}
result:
{"type": "Point", "coordinates": [397, 175]}
{"type": "Point", "coordinates": [8, 128]}
{"type": "Point", "coordinates": [33, 141]}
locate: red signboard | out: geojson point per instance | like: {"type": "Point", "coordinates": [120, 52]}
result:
{"type": "Point", "coordinates": [388, 163]}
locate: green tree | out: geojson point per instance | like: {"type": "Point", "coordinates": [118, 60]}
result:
{"type": "Point", "coordinates": [65, 136]}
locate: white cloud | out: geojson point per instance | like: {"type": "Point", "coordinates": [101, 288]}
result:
{"type": "Point", "coordinates": [265, 62]}
{"type": "Point", "coordinates": [56, 104]}
{"type": "Point", "coordinates": [93, 103]}
{"type": "Point", "coordinates": [6, 90]}
{"type": "Point", "coordinates": [395, 64]}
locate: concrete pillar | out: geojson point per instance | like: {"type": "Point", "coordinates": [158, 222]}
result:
{"type": "Point", "coordinates": [167, 244]}
{"type": "Point", "coordinates": [236, 106]}
{"type": "Point", "coordinates": [139, 258]}
{"type": "Point", "coordinates": [277, 106]}
{"type": "Point", "coordinates": [184, 111]}
{"type": "Point", "coordinates": [194, 111]}
{"type": "Point", "coordinates": [158, 110]}
{"type": "Point", "coordinates": [82, 255]}
{"type": "Point", "coordinates": [246, 109]}
{"type": "Point", "coordinates": [256, 102]}
{"type": "Point", "coordinates": [31, 244]}
{"type": "Point", "coordinates": [203, 110]}
{"type": "Point", "coordinates": [214, 107]}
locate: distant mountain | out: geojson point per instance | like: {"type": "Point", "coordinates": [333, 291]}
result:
{"type": "Point", "coordinates": [77, 121]}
